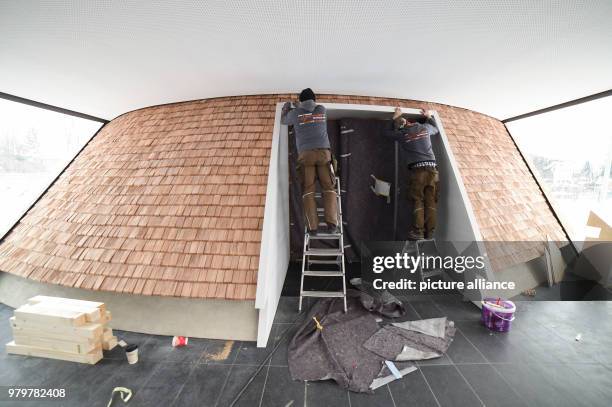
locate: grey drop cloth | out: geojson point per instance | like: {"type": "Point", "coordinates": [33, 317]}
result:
{"type": "Point", "coordinates": [336, 352]}
{"type": "Point", "coordinates": [351, 348]}
{"type": "Point", "coordinates": [380, 301]}
{"type": "Point", "coordinates": [433, 326]}
{"type": "Point", "coordinates": [393, 342]}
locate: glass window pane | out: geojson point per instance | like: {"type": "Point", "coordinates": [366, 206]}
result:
{"type": "Point", "coordinates": [35, 146]}
{"type": "Point", "coordinates": [571, 152]}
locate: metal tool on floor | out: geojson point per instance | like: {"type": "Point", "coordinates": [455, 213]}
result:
{"type": "Point", "coordinates": [324, 262]}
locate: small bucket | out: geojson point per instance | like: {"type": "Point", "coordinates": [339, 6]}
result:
{"type": "Point", "coordinates": [131, 352]}
{"type": "Point", "coordinates": [497, 317]}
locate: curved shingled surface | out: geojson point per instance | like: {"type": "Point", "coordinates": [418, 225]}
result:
{"type": "Point", "coordinates": [169, 200]}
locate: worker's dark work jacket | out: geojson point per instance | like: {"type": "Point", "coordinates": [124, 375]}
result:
{"type": "Point", "coordinates": [415, 141]}
{"type": "Point", "coordinates": [309, 122]}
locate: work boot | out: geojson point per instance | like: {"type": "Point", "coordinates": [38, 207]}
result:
{"type": "Point", "coordinates": [429, 234]}
{"type": "Point", "coordinates": [415, 235]}
{"type": "Point", "coordinates": [333, 229]}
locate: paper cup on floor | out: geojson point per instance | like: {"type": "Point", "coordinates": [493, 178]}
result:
{"type": "Point", "coordinates": [131, 352]}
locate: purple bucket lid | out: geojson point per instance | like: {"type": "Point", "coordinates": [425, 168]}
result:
{"type": "Point", "coordinates": [491, 303]}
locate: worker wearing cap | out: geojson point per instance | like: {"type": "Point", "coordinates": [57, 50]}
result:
{"type": "Point", "coordinates": [314, 162]}
{"type": "Point", "coordinates": [415, 141]}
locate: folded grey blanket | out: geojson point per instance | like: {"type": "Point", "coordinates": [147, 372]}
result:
{"type": "Point", "coordinates": [380, 301]}
{"type": "Point", "coordinates": [394, 342]}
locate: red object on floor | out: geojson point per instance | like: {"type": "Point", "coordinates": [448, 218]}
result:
{"type": "Point", "coordinates": [179, 341]}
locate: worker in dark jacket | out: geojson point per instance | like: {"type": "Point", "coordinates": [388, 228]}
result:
{"type": "Point", "coordinates": [415, 141]}
{"type": "Point", "coordinates": [309, 122]}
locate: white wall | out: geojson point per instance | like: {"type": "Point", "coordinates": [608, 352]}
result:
{"type": "Point", "coordinates": [274, 253]}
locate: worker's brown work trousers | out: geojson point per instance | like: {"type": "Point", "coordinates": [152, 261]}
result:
{"type": "Point", "coordinates": [423, 191]}
{"type": "Point", "coordinates": [313, 165]}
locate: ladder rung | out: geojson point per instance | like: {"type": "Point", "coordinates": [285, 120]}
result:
{"type": "Point", "coordinates": [324, 252]}
{"type": "Point", "coordinates": [323, 262]}
{"type": "Point", "coordinates": [322, 294]}
{"type": "Point", "coordinates": [323, 273]}
{"type": "Point", "coordinates": [324, 236]}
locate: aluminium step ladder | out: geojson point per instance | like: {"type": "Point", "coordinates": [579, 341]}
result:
{"type": "Point", "coordinates": [331, 260]}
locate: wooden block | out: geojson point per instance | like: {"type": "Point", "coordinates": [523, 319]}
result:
{"type": "Point", "coordinates": [50, 316]}
{"type": "Point", "coordinates": [108, 334]}
{"type": "Point", "coordinates": [109, 344]}
{"type": "Point", "coordinates": [68, 301]}
{"type": "Point", "coordinates": [92, 357]}
{"type": "Point", "coordinates": [90, 330]}
{"type": "Point", "coordinates": [55, 345]}
{"type": "Point", "coordinates": [106, 318]}
{"type": "Point", "coordinates": [53, 336]}
{"type": "Point", "coordinates": [94, 311]}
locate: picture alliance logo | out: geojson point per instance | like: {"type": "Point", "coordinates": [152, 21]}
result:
{"type": "Point", "coordinates": [441, 285]}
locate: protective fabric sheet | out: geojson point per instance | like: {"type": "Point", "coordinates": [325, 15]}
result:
{"type": "Point", "coordinates": [432, 327]}
{"type": "Point", "coordinates": [394, 343]}
{"type": "Point", "coordinates": [336, 352]}
{"type": "Point", "coordinates": [350, 348]}
{"type": "Point", "coordinates": [380, 301]}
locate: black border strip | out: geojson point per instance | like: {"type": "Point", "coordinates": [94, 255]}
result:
{"type": "Point", "coordinates": [45, 106]}
{"type": "Point", "coordinates": [574, 102]}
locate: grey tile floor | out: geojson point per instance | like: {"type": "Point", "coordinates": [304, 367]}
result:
{"type": "Point", "coordinates": [538, 363]}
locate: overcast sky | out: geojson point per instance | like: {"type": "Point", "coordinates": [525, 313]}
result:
{"type": "Point", "coordinates": [581, 132]}
{"type": "Point", "coordinates": [54, 130]}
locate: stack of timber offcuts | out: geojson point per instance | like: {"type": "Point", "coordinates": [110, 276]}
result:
{"type": "Point", "coordinates": [62, 328]}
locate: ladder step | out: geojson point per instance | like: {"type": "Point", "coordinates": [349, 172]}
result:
{"type": "Point", "coordinates": [326, 258]}
{"type": "Point", "coordinates": [324, 294]}
{"type": "Point", "coordinates": [324, 252]}
{"type": "Point", "coordinates": [323, 273]}
{"type": "Point", "coordinates": [323, 262]}
{"type": "Point", "coordinates": [324, 236]}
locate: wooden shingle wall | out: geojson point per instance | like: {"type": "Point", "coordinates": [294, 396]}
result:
{"type": "Point", "coordinates": [169, 200]}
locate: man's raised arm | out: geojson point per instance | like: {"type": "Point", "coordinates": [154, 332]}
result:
{"type": "Point", "coordinates": [429, 123]}
{"type": "Point", "coordinates": [288, 114]}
